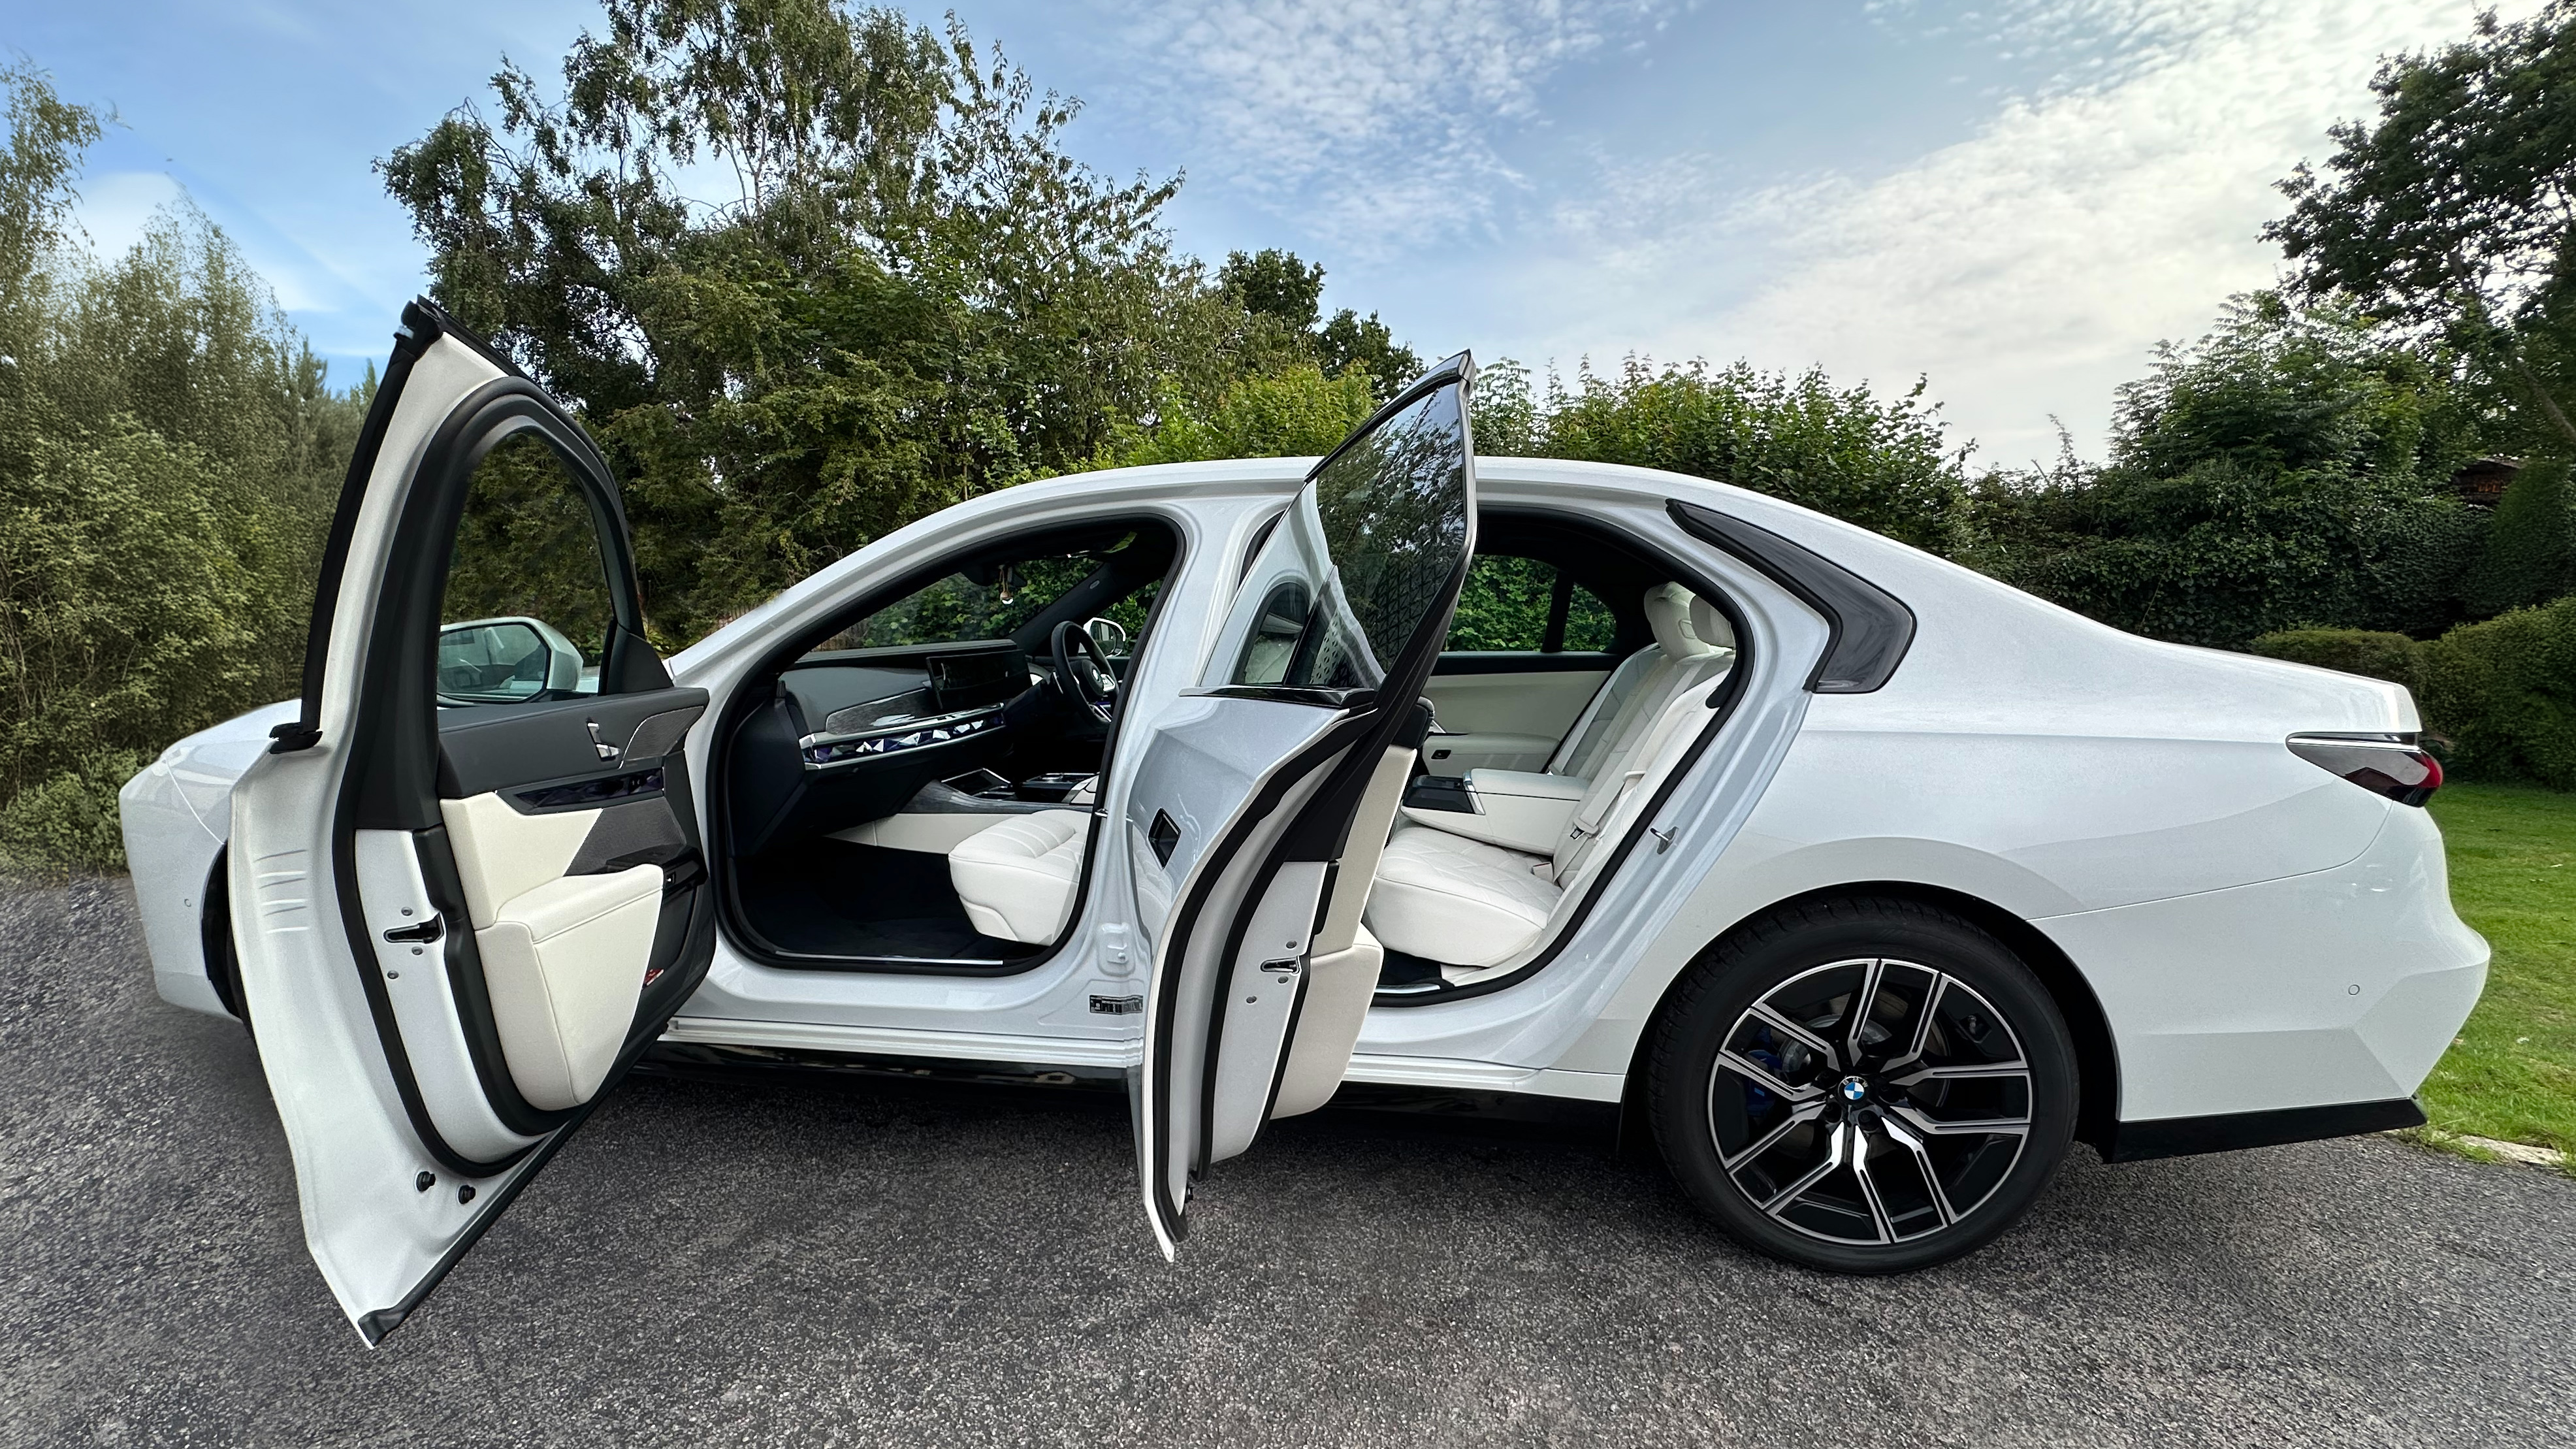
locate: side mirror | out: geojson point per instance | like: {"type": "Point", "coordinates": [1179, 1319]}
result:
{"type": "Point", "coordinates": [506, 661]}
{"type": "Point", "coordinates": [1110, 635]}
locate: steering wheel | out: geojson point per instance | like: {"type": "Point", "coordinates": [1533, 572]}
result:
{"type": "Point", "coordinates": [1082, 672]}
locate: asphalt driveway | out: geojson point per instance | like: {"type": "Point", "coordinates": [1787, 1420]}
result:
{"type": "Point", "coordinates": [713, 1264]}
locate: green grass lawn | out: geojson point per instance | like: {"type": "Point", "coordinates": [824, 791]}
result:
{"type": "Point", "coordinates": [2511, 1073]}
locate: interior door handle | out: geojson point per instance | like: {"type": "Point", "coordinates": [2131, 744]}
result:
{"type": "Point", "coordinates": [420, 935]}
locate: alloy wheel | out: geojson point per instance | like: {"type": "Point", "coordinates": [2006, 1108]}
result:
{"type": "Point", "coordinates": [1870, 1101]}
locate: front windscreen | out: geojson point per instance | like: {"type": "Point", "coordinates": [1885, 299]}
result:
{"type": "Point", "coordinates": [1367, 552]}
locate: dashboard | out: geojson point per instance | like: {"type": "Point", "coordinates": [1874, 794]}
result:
{"type": "Point", "coordinates": [850, 735]}
{"type": "Point", "coordinates": [860, 704]}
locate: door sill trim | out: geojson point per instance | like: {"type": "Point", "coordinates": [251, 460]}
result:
{"type": "Point", "coordinates": [893, 1041]}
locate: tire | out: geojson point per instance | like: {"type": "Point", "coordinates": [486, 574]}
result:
{"type": "Point", "coordinates": [1759, 1102]}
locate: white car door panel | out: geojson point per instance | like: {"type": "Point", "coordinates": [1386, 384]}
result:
{"type": "Point", "coordinates": [1250, 816]}
{"type": "Point", "coordinates": [456, 917]}
{"type": "Point", "coordinates": [1506, 711]}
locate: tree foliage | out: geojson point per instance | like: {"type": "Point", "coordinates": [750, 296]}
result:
{"type": "Point", "coordinates": [2455, 212]}
{"type": "Point", "coordinates": [908, 292]}
{"type": "Point", "coordinates": [168, 455]}
{"type": "Point", "coordinates": [1279, 287]}
{"type": "Point", "coordinates": [1294, 412]}
{"type": "Point", "coordinates": [2288, 470]}
{"type": "Point", "coordinates": [2530, 557]}
{"type": "Point", "coordinates": [1275, 284]}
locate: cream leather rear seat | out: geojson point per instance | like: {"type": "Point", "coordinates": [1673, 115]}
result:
{"type": "Point", "coordinates": [1463, 902]}
{"type": "Point", "coordinates": [1448, 897]}
{"type": "Point", "coordinates": [1686, 628]}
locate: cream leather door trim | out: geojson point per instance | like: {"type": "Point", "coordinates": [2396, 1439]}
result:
{"type": "Point", "coordinates": [564, 964]}
{"type": "Point", "coordinates": [1504, 721]}
{"type": "Point", "coordinates": [502, 854]}
{"type": "Point", "coordinates": [1339, 988]}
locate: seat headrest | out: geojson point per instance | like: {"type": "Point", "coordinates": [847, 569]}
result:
{"type": "Point", "coordinates": [1710, 625]}
{"type": "Point", "coordinates": [1668, 614]}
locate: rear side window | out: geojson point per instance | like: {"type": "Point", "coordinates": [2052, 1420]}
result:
{"type": "Point", "coordinates": [1528, 606]}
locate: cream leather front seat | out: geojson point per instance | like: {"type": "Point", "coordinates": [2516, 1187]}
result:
{"type": "Point", "coordinates": [1017, 877]}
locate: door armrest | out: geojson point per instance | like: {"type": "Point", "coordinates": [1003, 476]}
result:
{"type": "Point", "coordinates": [1516, 809]}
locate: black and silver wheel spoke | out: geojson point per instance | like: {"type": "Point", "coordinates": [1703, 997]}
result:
{"type": "Point", "coordinates": [1869, 1102]}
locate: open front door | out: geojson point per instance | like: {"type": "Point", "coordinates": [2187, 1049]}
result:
{"type": "Point", "coordinates": [1258, 809]}
{"type": "Point", "coordinates": [466, 883]}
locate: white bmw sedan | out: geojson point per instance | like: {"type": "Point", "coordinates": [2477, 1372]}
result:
{"type": "Point", "coordinates": [1858, 883]}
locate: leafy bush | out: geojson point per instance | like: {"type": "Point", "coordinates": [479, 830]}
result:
{"type": "Point", "coordinates": [2504, 692]}
{"type": "Point", "coordinates": [2288, 470]}
{"type": "Point", "coordinates": [67, 821]}
{"type": "Point", "coordinates": [2370, 652]}
{"type": "Point", "coordinates": [2228, 550]}
{"type": "Point", "coordinates": [1293, 413]}
{"type": "Point", "coordinates": [2530, 556]}
{"type": "Point", "coordinates": [1882, 464]}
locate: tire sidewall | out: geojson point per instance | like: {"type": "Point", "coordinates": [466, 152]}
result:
{"type": "Point", "coordinates": [1759, 958]}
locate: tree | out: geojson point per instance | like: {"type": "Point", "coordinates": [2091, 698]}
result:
{"type": "Point", "coordinates": [169, 454]}
{"type": "Point", "coordinates": [1348, 341]}
{"type": "Point", "coordinates": [2455, 213]}
{"type": "Point", "coordinates": [1275, 284]}
{"type": "Point", "coordinates": [2288, 470]}
{"type": "Point", "coordinates": [912, 295]}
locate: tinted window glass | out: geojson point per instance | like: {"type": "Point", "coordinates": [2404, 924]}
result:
{"type": "Point", "coordinates": [988, 602]}
{"type": "Point", "coordinates": [1373, 542]}
{"type": "Point", "coordinates": [1523, 605]}
{"type": "Point", "coordinates": [527, 608]}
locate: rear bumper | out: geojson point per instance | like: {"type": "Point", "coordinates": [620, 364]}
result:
{"type": "Point", "coordinates": [2336, 990]}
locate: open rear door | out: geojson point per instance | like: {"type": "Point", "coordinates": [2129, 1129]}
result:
{"type": "Point", "coordinates": [466, 882]}
{"type": "Point", "coordinates": [1258, 809]}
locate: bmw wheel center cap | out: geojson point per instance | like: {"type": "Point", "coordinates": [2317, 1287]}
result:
{"type": "Point", "coordinates": [1854, 1089]}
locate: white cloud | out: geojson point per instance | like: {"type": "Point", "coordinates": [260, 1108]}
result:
{"type": "Point", "coordinates": [117, 206]}
{"type": "Point", "coordinates": [2028, 269]}
{"type": "Point", "coordinates": [1370, 122]}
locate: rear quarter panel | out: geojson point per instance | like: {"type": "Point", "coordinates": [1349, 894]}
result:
{"type": "Point", "coordinates": [175, 814]}
{"type": "Point", "coordinates": [2129, 797]}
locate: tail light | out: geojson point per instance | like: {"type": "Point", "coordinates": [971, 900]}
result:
{"type": "Point", "coordinates": [2389, 765]}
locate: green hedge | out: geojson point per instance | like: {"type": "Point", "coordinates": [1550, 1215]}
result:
{"type": "Point", "coordinates": [2392, 657]}
{"type": "Point", "coordinates": [2530, 555]}
{"type": "Point", "coordinates": [2504, 692]}
{"type": "Point", "coordinates": [2500, 696]}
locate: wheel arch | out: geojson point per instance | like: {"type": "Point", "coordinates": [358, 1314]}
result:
{"type": "Point", "coordinates": [215, 935]}
{"type": "Point", "coordinates": [2097, 1055]}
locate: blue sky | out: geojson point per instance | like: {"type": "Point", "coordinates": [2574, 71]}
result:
{"type": "Point", "coordinates": [2015, 199]}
